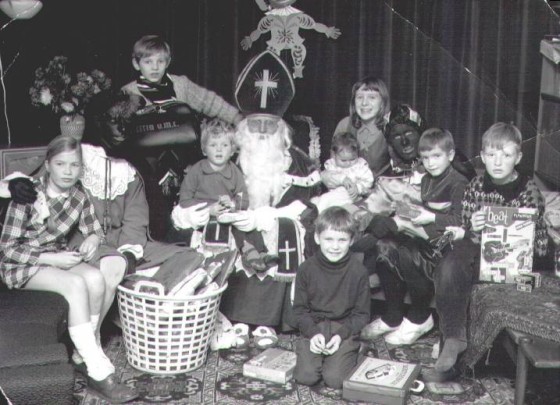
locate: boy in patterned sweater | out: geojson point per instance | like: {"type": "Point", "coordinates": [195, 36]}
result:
{"type": "Point", "coordinates": [500, 185]}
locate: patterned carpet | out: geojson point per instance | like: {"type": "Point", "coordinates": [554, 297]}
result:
{"type": "Point", "coordinates": [221, 381]}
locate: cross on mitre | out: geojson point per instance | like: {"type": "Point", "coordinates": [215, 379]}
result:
{"type": "Point", "coordinates": [265, 86]}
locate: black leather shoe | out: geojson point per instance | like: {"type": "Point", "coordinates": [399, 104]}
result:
{"type": "Point", "coordinates": [431, 375]}
{"type": "Point", "coordinates": [113, 391]}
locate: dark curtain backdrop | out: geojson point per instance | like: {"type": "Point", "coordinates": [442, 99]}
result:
{"type": "Point", "coordinates": [463, 64]}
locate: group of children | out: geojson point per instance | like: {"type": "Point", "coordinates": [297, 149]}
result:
{"type": "Point", "coordinates": [332, 298]}
{"type": "Point", "coordinates": [450, 203]}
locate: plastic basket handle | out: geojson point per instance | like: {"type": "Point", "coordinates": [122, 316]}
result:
{"type": "Point", "coordinates": [149, 284]}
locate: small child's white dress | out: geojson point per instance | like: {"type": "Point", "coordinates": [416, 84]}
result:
{"type": "Point", "coordinates": [359, 174]}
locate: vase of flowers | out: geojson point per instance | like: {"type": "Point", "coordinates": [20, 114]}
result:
{"type": "Point", "coordinates": [65, 93]}
{"type": "Point", "coordinates": [73, 125]}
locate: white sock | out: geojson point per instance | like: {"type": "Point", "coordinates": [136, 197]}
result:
{"type": "Point", "coordinates": [94, 320]}
{"type": "Point", "coordinates": [98, 366]}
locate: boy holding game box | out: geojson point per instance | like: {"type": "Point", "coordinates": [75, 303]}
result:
{"type": "Point", "coordinates": [500, 185]}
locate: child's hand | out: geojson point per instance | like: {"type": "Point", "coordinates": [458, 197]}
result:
{"type": "Point", "coordinates": [317, 344]}
{"type": "Point", "coordinates": [89, 247]}
{"type": "Point", "coordinates": [217, 209]}
{"type": "Point", "coordinates": [458, 232]}
{"type": "Point", "coordinates": [329, 180]}
{"type": "Point", "coordinates": [351, 188]}
{"type": "Point", "coordinates": [478, 220]}
{"type": "Point", "coordinates": [226, 202]}
{"type": "Point", "coordinates": [62, 260]}
{"type": "Point", "coordinates": [333, 345]}
{"type": "Point", "coordinates": [424, 218]}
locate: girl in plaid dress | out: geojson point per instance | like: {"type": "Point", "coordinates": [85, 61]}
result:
{"type": "Point", "coordinates": [34, 256]}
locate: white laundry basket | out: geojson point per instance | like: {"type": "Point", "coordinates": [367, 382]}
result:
{"type": "Point", "coordinates": [167, 335]}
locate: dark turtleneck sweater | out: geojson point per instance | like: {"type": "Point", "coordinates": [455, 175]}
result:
{"type": "Point", "coordinates": [331, 291]}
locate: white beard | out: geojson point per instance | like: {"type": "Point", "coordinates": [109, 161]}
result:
{"type": "Point", "coordinates": [264, 160]}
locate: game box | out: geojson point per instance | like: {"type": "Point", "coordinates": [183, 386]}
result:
{"type": "Point", "coordinates": [507, 243]}
{"type": "Point", "coordinates": [381, 381]}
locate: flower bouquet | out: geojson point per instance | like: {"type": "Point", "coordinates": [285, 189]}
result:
{"type": "Point", "coordinates": [55, 87]}
{"type": "Point", "coordinates": [65, 93]}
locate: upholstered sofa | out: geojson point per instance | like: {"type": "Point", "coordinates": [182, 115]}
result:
{"type": "Point", "coordinates": [34, 361]}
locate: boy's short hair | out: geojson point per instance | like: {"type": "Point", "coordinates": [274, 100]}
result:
{"type": "Point", "coordinates": [500, 133]}
{"type": "Point", "coordinates": [434, 137]}
{"type": "Point", "coordinates": [344, 141]}
{"type": "Point", "coordinates": [337, 219]}
{"type": "Point", "coordinates": [215, 127]}
{"type": "Point", "coordinates": [149, 45]}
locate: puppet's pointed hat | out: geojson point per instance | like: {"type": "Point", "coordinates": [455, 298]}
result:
{"type": "Point", "coordinates": [265, 86]}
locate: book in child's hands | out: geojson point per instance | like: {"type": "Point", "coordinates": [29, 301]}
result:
{"type": "Point", "coordinates": [507, 243]}
{"type": "Point", "coordinates": [273, 364]}
{"type": "Point", "coordinates": [380, 381]}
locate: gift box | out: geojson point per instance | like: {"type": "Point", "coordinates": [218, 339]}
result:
{"type": "Point", "coordinates": [273, 364]}
{"type": "Point", "coordinates": [380, 381]}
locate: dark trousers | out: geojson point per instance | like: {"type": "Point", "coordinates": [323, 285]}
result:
{"type": "Point", "coordinates": [409, 275]}
{"type": "Point", "coordinates": [333, 369]}
{"type": "Point", "coordinates": [454, 277]}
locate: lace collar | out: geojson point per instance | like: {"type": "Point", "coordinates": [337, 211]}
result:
{"type": "Point", "coordinates": [98, 168]}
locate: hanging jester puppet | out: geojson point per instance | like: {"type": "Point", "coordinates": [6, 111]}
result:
{"type": "Point", "coordinates": [283, 22]}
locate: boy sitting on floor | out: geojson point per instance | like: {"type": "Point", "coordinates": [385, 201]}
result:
{"type": "Point", "coordinates": [331, 303]}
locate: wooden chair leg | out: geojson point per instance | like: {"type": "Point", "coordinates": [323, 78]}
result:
{"type": "Point", "coordinates": [521, 375]}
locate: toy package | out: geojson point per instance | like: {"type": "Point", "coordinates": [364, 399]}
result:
{"type": "Point", "coordinates": [273, 364]}
{"type": "Point", "coordinates": [507, 243]}
{"type": "Point", "coordinates": [382, 382]}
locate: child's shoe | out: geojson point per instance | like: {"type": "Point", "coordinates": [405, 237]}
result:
{"type": "Point", "coordinates": [265, 337]}
{"type": "Point", "coordinates": [241, 332]}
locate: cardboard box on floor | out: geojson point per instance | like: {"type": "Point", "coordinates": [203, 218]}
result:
{"type": "Point", "coordinates": [381, 381]}
{"type": "Point", "coordinates": [273, 364]}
